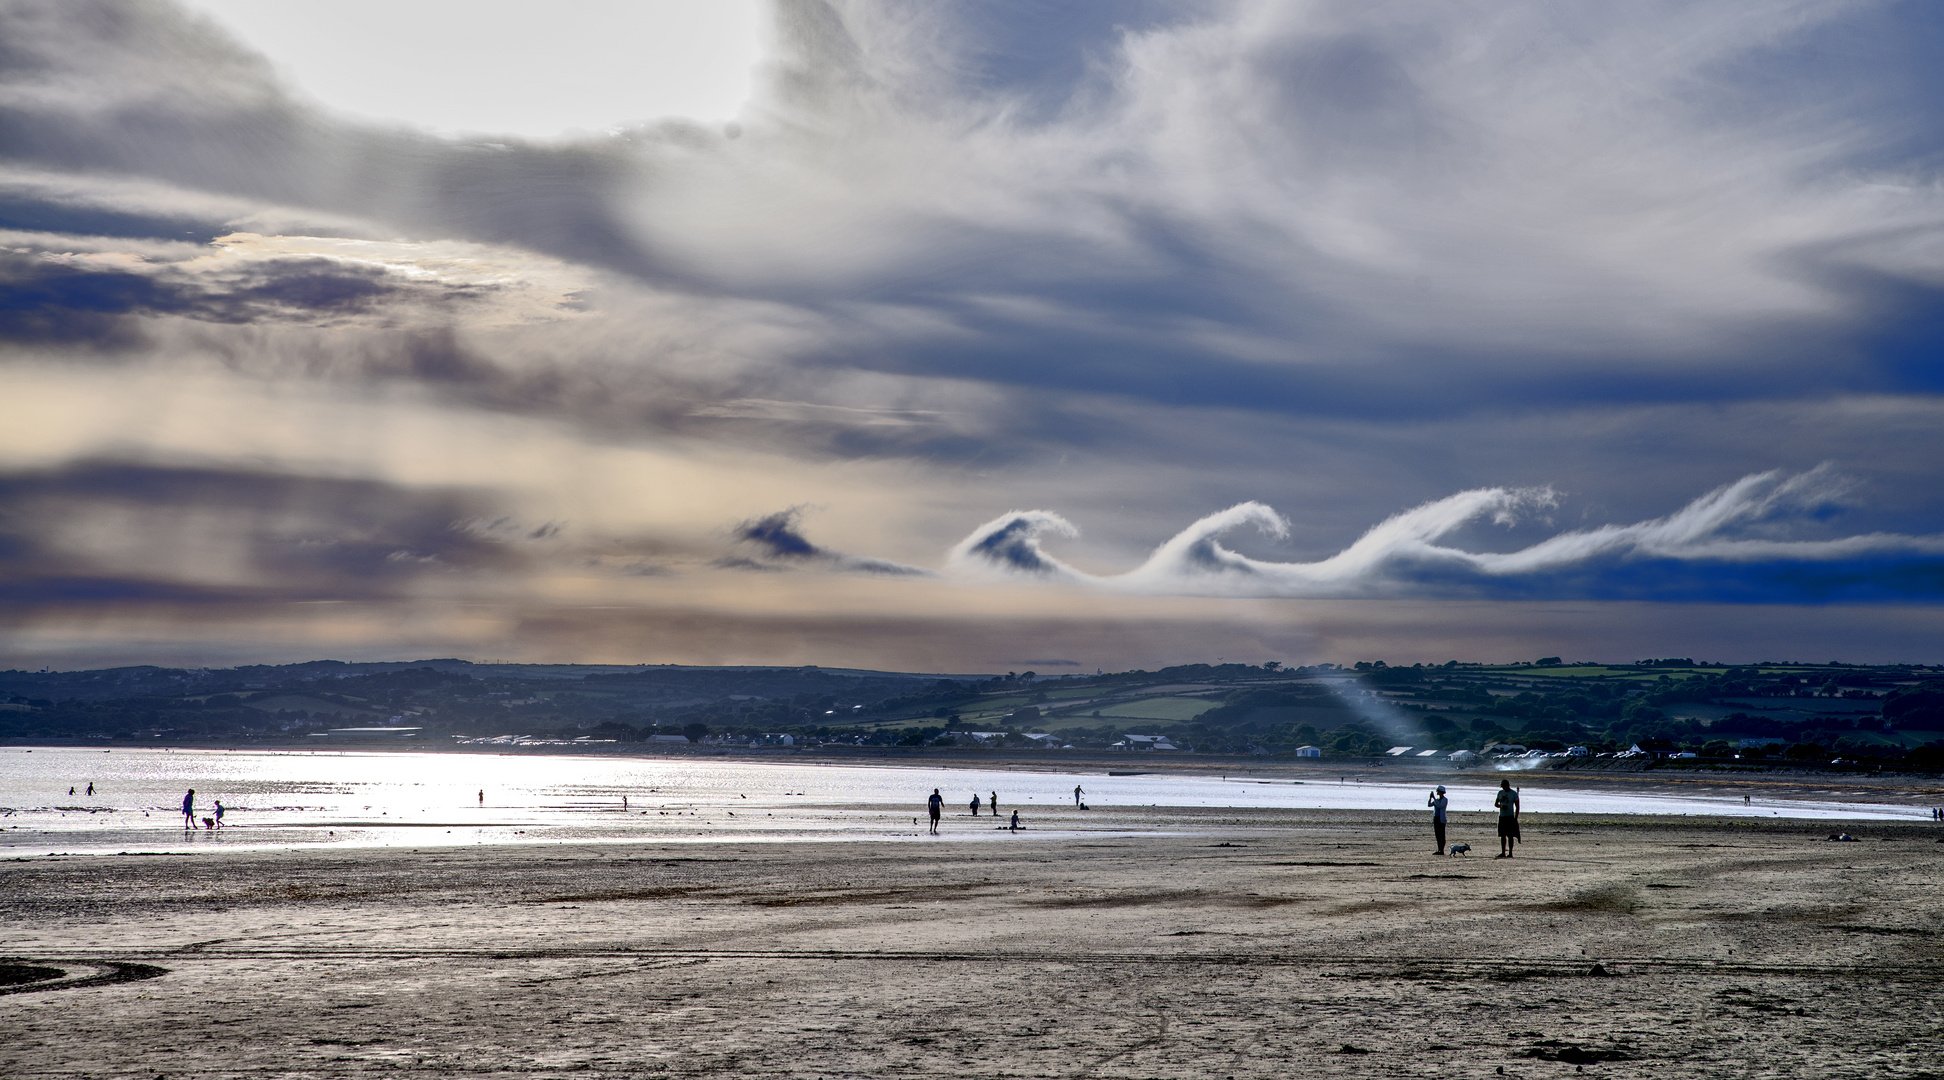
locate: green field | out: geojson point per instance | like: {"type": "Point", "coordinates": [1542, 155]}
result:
{"type": "Point", "coordinates": [1160, 708]}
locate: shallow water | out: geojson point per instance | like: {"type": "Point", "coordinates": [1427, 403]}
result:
{"type": "Point", "coordinates": [278, 799]}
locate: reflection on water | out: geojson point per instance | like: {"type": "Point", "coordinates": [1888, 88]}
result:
{"type": "Point", "coordinates": [425, 799]}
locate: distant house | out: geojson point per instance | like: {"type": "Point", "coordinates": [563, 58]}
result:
{"type": "Point", "coordinates": [1462, 757]}
{"type": "Point", "coordinates": [683, 739]}
{"type": "Point", "coordinates": [1145, 742]}
{"type": "Point", "coordinates": [1309, 751]}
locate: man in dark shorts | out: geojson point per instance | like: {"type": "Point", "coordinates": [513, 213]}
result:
{"type": "Point", "coordinates": [936, 804]}
{"type": "Point", "coordinates": [1438, 803]}
{"type": "Point", "coordinates": [189, 809]}
{"type": "Point", "coordinates": [1507, 801]}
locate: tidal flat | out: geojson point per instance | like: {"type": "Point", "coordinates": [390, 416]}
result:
{"type": "Point", "coordinates": [1215, 943]}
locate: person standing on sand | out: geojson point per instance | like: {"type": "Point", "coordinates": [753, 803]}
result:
{"type": "Point", "coordinates": [1507, 801]}
{"type": "Point", "coordinates": [1015, 821]}
{"type": "Point", "coordinates": [1437, 802]}
{"type": "Point", "coordinates": [189, 809]}
{"type": "Point", "coordinates": [91, 789]}
{"type": "Point", "coordinates": [995, 804]}
{"type": "Point", "coordinates": [1076, 794]}
{"type": "Point", "coordinates": [975, 806]}
{"type": "Point", "coordinates": [936, 805]}
{"type": "Point", "coordinates": [482, 796]}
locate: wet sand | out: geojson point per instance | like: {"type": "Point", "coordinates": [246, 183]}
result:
{"type": "Point", "coordinates": [1228, 944]}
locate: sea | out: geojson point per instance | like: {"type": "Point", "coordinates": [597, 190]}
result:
{"type": "Point", "coordinates": [321, 798]}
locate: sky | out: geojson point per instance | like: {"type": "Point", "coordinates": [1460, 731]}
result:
{"type": "Point", "coordinates": [970, 337]}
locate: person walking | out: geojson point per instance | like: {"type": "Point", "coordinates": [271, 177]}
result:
{"type": "Point", "coordinates": [975, 806]}
{"type": "Point", "coordinates": [1076, 794]}
{"type": "Point", "coordinates": [219, 813]}
{"type": "Point", "coordinates": [91, 789]}
{"type": "Point", "coordinates": [1015, 820]}
{"type": "Point", "coordinates": [189, 809]}
{"type": "Point", "coordinates": [1438, 803]}
{"type": "Point", "coordinates": [936, 805]}
{"type": "Point", "coordinates": [1507, 801]}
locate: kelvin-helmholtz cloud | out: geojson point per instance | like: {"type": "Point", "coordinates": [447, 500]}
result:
{"type": "Point", "coordinates": [1721, 545]}
{"type": "Point", "coordinates": [1575, 262]}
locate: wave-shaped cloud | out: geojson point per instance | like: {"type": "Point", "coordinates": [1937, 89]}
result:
{"type": "Point", "coordinates": [776, 542]}
{"type": "Point", "coordinates": [1713, 546]}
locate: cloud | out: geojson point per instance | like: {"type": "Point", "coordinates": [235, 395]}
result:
{"type": "Point", "coordinates": [1130, 260]}
{"type": "Point", "coordinates": [778, 543]}
{"type": "Point", "coordinates": [1708, 549]}
{"type": "Point", "coordinates": [99, 531]}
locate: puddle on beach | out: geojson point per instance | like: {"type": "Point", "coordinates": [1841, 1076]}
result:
{"type": "Point", "coordinates": [276, 799]}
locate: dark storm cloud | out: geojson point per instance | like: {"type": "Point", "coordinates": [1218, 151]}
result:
{"type": "Point", "coordinates": [777, 542]}
{"type": "Point", "coordinates": [106, 532]}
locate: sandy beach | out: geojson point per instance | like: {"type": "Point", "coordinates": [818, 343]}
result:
{"type": "Point", "coordinates": [1220, 944]}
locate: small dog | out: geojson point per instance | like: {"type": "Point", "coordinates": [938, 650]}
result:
{"type": "Point", "coordinates": [1461, 849]}
{"type": "Point", "coordinates": [209, 823]}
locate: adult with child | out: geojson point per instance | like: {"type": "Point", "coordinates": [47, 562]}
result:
{"type": "Point", "coordinates": [1507, 801]}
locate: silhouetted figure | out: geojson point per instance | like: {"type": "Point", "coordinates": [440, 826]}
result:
{"type": "Point", "coordinates": [1015, 820]}
{"type": "Point", "coordinates": [189, 809]}
{"type": "Point", "coordinates": [975, 806]}
{"type": "Point", "coordinates": [936, 806]}
{"type": "Point", "coordinates": [995, 804]}
{"type": "Point", "coordinates": [1507, 801]}
{"type": "Point", "coordinates": [70, 789]}
{"type": "Point", "coordinates": [90, 788]}
{"type": "Point", "coordinates": [482, 796]}
{"type": "Point", "coordinates": [1076, 794]}
{"type": "Point", "coordinates": [219, 813]}
{"type": "Point", "coordinates": [1438, 803]}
